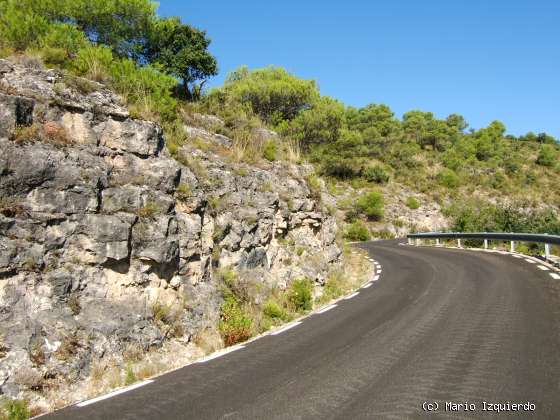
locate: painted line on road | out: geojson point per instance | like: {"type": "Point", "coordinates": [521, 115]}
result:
{"type": "Point", "coordinates": [530, 261]}
{"type": "Point", "coordinates": [516, 256]}
{"type": "Point", "coordinates": [352, 295]}
{"type": "Point", "coordinates": [555, 276]}
{"type": "Point", "coordinates": [327, 308]}
{"type": "Point", "coordinates": [365, 286]}
{"type": "Point", "coordinates": [286, 328]}
{"type": "Point", "coordinates": [376, 278]}
{"type": "Point", "coordinates": [221, 353]}
{"type": "Point", "coordinates": [542, 267]}
{"type": "Point", "coordinates": [114, 393]}
{"type": "Point", "coordinates": [380, 270]}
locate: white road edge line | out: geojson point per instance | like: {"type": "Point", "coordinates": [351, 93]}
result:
{"type": "Point", "coordinates": [114, 393]}
{"type": "Point", "coordinates": [376, 278]}
{"type": "Point", "coordinates": [286, 328]}
{"type": "Point", "coordinates": [542, 267]}
{"type": "Point", "coordinates": [327, 308]}
{"type": "Point", "coordinates": [221, 353]}
{"type": "Point", "coordinates": [352, 295]}
{"type": "Point", "coordinates": [365, 286]}
{"type": "Point", "coordinates": [555, 276]}
{"type": "Point", "coordinates": [530, 261]}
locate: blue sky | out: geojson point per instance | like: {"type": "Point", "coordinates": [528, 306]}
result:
{"type": "Point", "coordinates": [487, 60]}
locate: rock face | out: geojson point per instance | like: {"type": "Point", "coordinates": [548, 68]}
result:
{"type": "Point", "coordinates": [99, 225]}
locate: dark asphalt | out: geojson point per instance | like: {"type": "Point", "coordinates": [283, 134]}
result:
{"type": "Point", "coordinates": [440, 325]}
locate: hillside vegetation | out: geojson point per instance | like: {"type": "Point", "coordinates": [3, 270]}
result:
{"type": "Point", "coordinates": [160, 65]}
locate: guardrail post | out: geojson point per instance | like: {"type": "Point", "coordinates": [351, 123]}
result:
{"type": "Point", "coordinates": [437, 241]}
{"type": "Point", "coordinates": [417, 241]}
{"type": "Point", "coordinates": [410, 241]}
{"type": "Point", "coordinates": [547, 251]}
{"type": "Point", "coordinates": [512, 246]}
{"type": "Point", "coordinates": [486, 244]}
{"type": "Point", "coordinates": [459, 243]}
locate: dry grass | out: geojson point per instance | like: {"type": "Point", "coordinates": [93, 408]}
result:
{"type": "Point", "coordinates": [10, 207]}
{"type": "Point", "coordinates": [50, 132]}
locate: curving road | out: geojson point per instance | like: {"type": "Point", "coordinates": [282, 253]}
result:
{"type": "Point", "coordinates": [440, 325]}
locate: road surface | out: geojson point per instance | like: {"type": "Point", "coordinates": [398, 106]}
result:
{"type": "Point", "coordinates": [440, 325]}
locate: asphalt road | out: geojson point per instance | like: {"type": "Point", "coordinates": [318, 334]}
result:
{"type": "Point", "coordinates": [440, 325]}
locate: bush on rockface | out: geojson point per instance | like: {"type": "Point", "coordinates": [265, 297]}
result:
{"type": "Point", "coordinates": [357, 231]}
{"type": "Point", "coordinates": [235, 324]}
{"type": "Point", "coordinates": [371, 205]}
{"type": "Point", "coordinates": [412, 203]}
{"type": "Point", "coordinates": [300, 294]}
{"type": "Point", "coordinates": [448, 178]}
{"type": "Point", "coordinates": [375, 174]}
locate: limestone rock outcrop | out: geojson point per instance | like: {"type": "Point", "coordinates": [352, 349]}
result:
{"type": "Point", "coordinates": [98, 223]}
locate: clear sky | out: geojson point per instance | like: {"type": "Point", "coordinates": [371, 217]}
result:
{"type": "Point", "coordinates": [484, 59]}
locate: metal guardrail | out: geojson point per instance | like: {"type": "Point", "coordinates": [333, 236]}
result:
{"type": "Point", "coordinates": [489, 236]}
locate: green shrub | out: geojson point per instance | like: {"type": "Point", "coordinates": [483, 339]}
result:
{"type": "Point", "coordinates": [64, 38]}
{"type": "Point", "coordinates": [15, 410]}
{"type": "Point", "coordinates": [335, 286]}
{"type": "Point", "coordinates": [20, 28]}
{"type": "Point", "coordinates": [412, 203]}
{"type": "Point", "coordinates": [448, 178]}
{"type": "Point", "coordinates": [357, 231]}
{"type": "Point", "coordinates": [375, 174]}
{"type": "Point", "coordinates": [93, 62]}
{"type": "Point", "coordinates": [130, 376]}
{"type": "Point", "coordinates": [371, 205]}
{"type": "Point", "coordinates": [272, 92]}
{"type": "Point", "coordinates": [146, 87]}
{"type": "Point", "coordinates": [314, 185]}
{"type": "Point", "coordinates": [300, 294]}
{"type": "Point", "coordinates": [548, 155]}
{"type": "Point", "coordinates": [269, 150]}
{"type": "Point", "coordinates": [235, 324]}
{"type": "Point", "coordinates": [274, 311]}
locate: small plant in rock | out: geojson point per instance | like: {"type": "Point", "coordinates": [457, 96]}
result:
{"type": "Point", "coordinates": [54, 133]}
{"type": "Point", "coordinates": [266, 186]}
{"type": "Point", "coordinates": [37, 354]}
{"type": "Point", "coordinates": [74, 304]}
{"type": "Point", "coordinates": [412, 203]}
{"type": "Point", "coordinates": [150, 209]}
{"type": "Point", "coordinates": [15, 410]}
{"type": "Point", "coordinates": [314, 185]}
{"type": "Point", "coordinates": [161, 313]}
{"type": "Point", "coordinates": [68, 348]}
{"type": "Point", "coordinates": [24, 134]}
{"type": "Point", "coordinates": [80, 84]}
{"type": "Point", "coordinates": [183, 192]}
{"type": "Point", "coordinates": [130, 376]}
{"type": "Point", "coordinates": [269, 150]}
{"type": "Point", "coordinates": [300, 294]}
